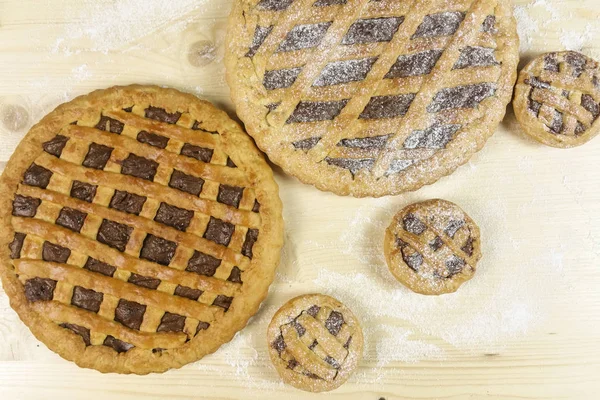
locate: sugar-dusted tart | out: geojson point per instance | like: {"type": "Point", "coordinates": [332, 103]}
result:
{"type": "Point", "coordinates": [371, 97]}
{"type": "Point", "coordinates": [432, 247]}
{"type": "Point", "coordinates": [557, 99]}
{"type": "Point", "coordinates": [315, 342]}
{"type": "Point", "coordinates": [142, 229]}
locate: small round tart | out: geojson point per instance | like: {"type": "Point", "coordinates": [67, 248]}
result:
{"type": "Point", "coordinates": [557, 99]}
{"type": "Point", "coordinates": [315, 342]}
{"type": "Point", "coordinates": [142, 229]}
{"type": "Point", "coordinates": [432, 247]}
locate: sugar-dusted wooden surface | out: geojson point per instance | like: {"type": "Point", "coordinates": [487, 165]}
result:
{"type": "Point", "coordinates": [526, 327]}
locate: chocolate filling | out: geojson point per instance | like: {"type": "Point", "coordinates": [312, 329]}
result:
{"type": "Point", "coordinates": [557, 123]}
{"type": "Point", "coordinates": [436, 243]}
{"type": "Point", "coordinates": [537, 83]}
{"type": "Point", "coordinates": [274, 5]}
{"type": "Point", "coordinates": [71, 219]}
{"type": "Point", "coordinates": [281, 78]}
{"type": "Point", "coordinates": [476, 57]}
{"type": "Point", "coordinates": [551, 62]}
{"type": "Point", "coordinates": [114, 234]}
{"type": "Point", "coordinates": [110, 125]}
{"type": "Point", "coordinates": [116, 344]}
{"type": "Point", "coordinates": [279, 344]}
{"type": "Point", "coordinates": [489, 25]}
{"type": "Point", "coordinates": [325, 3]}
{"type": "Point", "coordinates": [353, 165]}
{"type": "Point", "coordinates": [453, 227]}
{"type": "Point", "coordinates": [334, 322]}
{"type": "Point", "coordinates": [97, 156]}
{"type": "Point", "coordinates": [219, 231]}
{"type": "Point", "coordinates": [223, 301]}
{"type": "Point", "coordinates": [87, 299]}
{"type": "Point", "coordinates": [236, 275]}
{"type": "Point", "coordinates": [37, 176]}
{"type": "Point", "coordinates": [230, 195]}
{"type": "Point", "coordinates": [468, 96]}
{"type": "Point", "coordinates": [387, 106]}
{"type": "Point", "coordinates": [186, 183]}
{"type": "Point", "coordinates": [591, 105]}
{"type": "Point", "coordinates": [306, 144]}
{"type": "Point", "coordinates": [372, 30]}
{"type": "Point", "coordinates": [55, 253]}
{"type": "Point", "coordinates": [413, 224]}
{"type": "Point", "coordinates": [339, 72]}
{"type": "Point", "coordinates": [144, 281]}
{"type": "Point", "coordinates": [203, 264]}
{"type": "Point", "coordinates": [442, 24]}
{"type": "Point", "coordinates": [139, 167]}
{"type": "Point", "coordinates": [127, 202]}
{"type": "Point", "coordinates": [313, 311]}
{"type": "Point", "coordinates": [160, 114]}
{"type": "Point", "coordinates": [333, 362]}
{"type": "Point", "coordinates": [202, 326]}
{"type": "Point", "coordinates": [454, 265]}
{"type": "Point", "coordinates": [199, 153]}
{"type": "Point", "coordinates": [189, 293]}
{"type": "Point", "coordinates": [171, 323]}
{"type": "Point", "coordinates": [130, 314]}
{"type": "Point", "coordinates": [414, 261]}
{"type": "Point", "coordinates": [251, 238]}
{"type": "Point", "coordinates": [178, 218]}
{"type": "Point", "coordinates": [577, 61]}
{"type": "Point", "coordinates": [304, 37]}
{"type": "Point", "coordinates": [414, 64]}
{"type": "Point", "coordinates": [39, 289]}
{"type": "Point", "coordinates": [79, 330]}
{"type": "Point", "coordinates": [230, 163]}
{"type": "Point", "coordinates": [260, 34]}
{"type": "Point", "coordinates": [434, 137]}
{"type": "Point", "coordinates": [24, 206]}
{"type": "Point", "coordinates": [399, 165]}
{"type": "Point", "coordinates": [56, 145]}
{"type": "Point", "coordinates": [153, 139]}
{"type": "Point", "coordinates": [158, 250]}
{"type": "Point", "coordinates": [256, 207]}
{"type": "Point", "coordinates": [311, 111]}
{"type": "Point", "coordinates": [468, 247]}
{"type": "Point", "coordinates": [83, 191]}
{"type": "Point", "coordinates": [299, 328]}
{"type": "Point", "coordinates": [16, 245]}
{"type": "Point", "coordinates": [100, 267]}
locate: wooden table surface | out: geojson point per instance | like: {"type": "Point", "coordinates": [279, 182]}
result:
{"type": "Point", "coordinates": [526, 327]}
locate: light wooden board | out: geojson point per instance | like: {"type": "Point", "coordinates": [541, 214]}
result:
{"type": "Point", "coordinates": [526, 327]}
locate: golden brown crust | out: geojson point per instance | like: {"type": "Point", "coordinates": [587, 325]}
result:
{"type": "Point", "coordinates": [173, 348]}
{"type": "Point", "coordinates": [372, 171]}
{"type": "Point", "coordinates": [557, 99]}
{"type": "Point", "coordinates": [315, 342]}
{"type": "Point", "coordinates": [432, 247]}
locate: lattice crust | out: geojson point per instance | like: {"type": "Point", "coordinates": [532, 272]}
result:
{"type": "Point", "coordinates": [557, 99]}
{"type": "Point", "coordinates": [375, 97]}
{"type": "Point", "coordinates": [432, 247]}
{"type": "Point", "coordinates": [144, 229]}
{"type": "Point", "coordinates": [315, 342]}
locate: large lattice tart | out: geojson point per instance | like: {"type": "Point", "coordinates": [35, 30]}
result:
{"type": "Point", "coordinates": [432, 247]}
{"type": "Point", "coordinates": [557, 99]}
{"type": "Point", "coordinates": [315, 342]}
{"type": "Point", "coordinates": [371, 97]}
{"type": "Point", "coordinates": [142, 229]}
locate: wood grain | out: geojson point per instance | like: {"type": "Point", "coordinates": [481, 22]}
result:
{"type": "Point", "coordinates": [539, 210]}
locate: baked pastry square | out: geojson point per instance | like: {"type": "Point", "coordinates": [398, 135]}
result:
{"type": "Point", "coordinates": [557, 99]}
{"type": "Point", "coordinates": [142, 229]}
{"type": "Point", "coordinates": [432, 247]}
{"type": "Point", "coordinates": [315, 342]}
{"type": "Point", "coordinates": [371, 97]}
